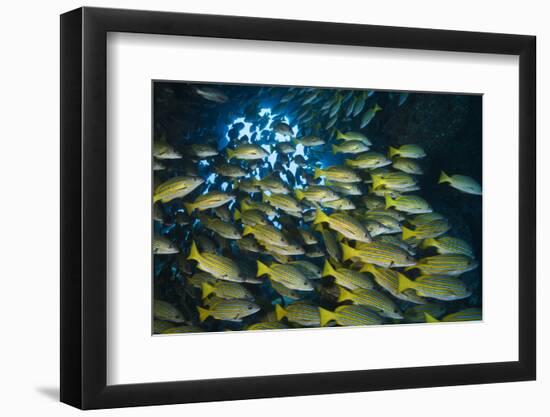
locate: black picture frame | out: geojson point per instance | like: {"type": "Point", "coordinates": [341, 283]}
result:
{"type": "Point", "coordinates": [84, 207]}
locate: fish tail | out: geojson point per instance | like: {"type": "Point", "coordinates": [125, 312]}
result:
{"type": "Point", "coordinates": [245, 206]}
{"type": "Point", "coordinates": [317, 173]}
{"type": "Point", "coordinates": [335, 149]}
{"type": "Point", "coordinates": [428, 243]}
{"type": "Point", "coordinates": [327, 269]}
{"type": "Point", "coordinates": [207, 289]}
{"type": "Point", "coordinates": [326, 316]}
{"type": "Point", "coordinates": [347, 252]}
{"type": "Point", "coordinates": [230, 154]}
{"type": "Point", "coordinates": [263, 269]}
{"type": "Point", "coordinates": [320, 217]}
{"type": "Point", "coordinates": [189, 207]}
{"type": "Point", "coordinates": [349, 162]}
{"type": "Point", "coordinates": [265, 198]}
{"type": "Point", "coordinates": [393, 152]}
{"type": "Point", "coordinates": [430, 319]}
{"type": "Point", "coordinates": [368, 268]}
{"type": "Point", "coordinates": [280, 312]}
{"type": "Point", "coordinates": [405, 283]}
{"type": "Point", "coordinates": [237, 215]}
{"type": "Point", "coordinates": [156, 198]}
{"type": "Point", "coordinates": [377, 107]}
{"type": "Point", "coordinates": [299, 194]}
{"type": "Point", "coordinates": [377, 182]}
{"type": "Point", "coordinates": [444, 178]}
{"type": "Point", "coordinates": [248, 230]}
{"type": "Point", "coordinates": [389, 201]}
{"type": "Point", "coordinates": [235, 184]}
{"type": "Point", "coordinates": [339, 135]}
{"type": "Point", "coordinates": [407, 233]}
{"type": "Point", "coordinates": [203, 313]}
{"type": "Point", "coordinates": [344, 295]}
{"type": "Point", "coordinates": [194, 253]}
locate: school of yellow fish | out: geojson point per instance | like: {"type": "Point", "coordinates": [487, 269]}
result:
{"type": "Point", "coordinates": [356, 245]}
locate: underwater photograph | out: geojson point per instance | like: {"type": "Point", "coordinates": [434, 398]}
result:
{"type": "Point", "coordinates": [283, 207]}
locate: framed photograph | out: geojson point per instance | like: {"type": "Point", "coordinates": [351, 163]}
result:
{"type": "Point", "coordinates": [258, 208]}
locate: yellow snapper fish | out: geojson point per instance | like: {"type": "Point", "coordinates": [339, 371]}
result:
{"type": "Point", "coordinates": [453, 265]}
{"type": "Point", "coordinates": [346, 188]}
{"type": "Point", "coordinates": [268, 234]}
{"type": "Point", "coordinates": [425, 218]}
{"type": "Point", "coordinates": [398, 181]}
{"type": "Point", "coordinates": [283, 202]}
{"type": "Point", "coordinates": [389, 280]}
{"type": "Point", "coordinates": [309, 141]}
{"type": "Point", "coordinates": [353, 136]}
{"type": "Point", "coordinates": [249, 204]}
{"type": "Point", "coordinates": [224, 229]}
{"type": "Point", "coordinates": [217, 265]}
{"type": "Point", "coordinates": [352, 280]}
{"type": "Point", "coordinates": [273, 184]}
{"type": "Point", "coordinates": [182, 330]}
{"type": "Point", "coordinates": [368, 160]}
{"type": "Point", "coordinates": [447, 245]}
{"type": "Point", "coordinates": [462, 183]}
{"type": "Point", "coordinates": [369, 115]}
{"type": "Point", "coordinates": [408, 165]}
{"type": "Point", "coordinates": [288, 275]}
{"type": "Point", "coordinates": [381, 211]}
{"type": "Point", "coordinates": [417, 313]}
{"type": "Point", "coordinates": [345, 224]}
{"type": "Point", "coordinates": [378, 253]}
{"type": "Point", "coordinates": [440, 287]}
{"type": "Point", "coordinates": [299, 312]}
{"type": "Point", "coordinates": [250, 244]}
{"type": "Point", "coordinates": [230, 170]}
{"type": "Point", "coordinates": [283, 128]}
{"type": "Point", "coordinates": [469, 314]}
{"type": "Point", "coordinates": [307, 237]}
{"type": "Point", "coordinates": [373, 299]}
{"type": "Point", "coordinates": [166, 311]}
{"type": "Point", "coordinates": [211, 94]}
{"type": "Point", "coordinates": [337, 173]}
{"type": "Point", "coordinates": [203, 151]}
{"type": "Point", "coordinates": [286, 292]}
{"type": "Point", "coordinates": [199, 278]}
{"type": "Point", "coordinates": [247, 152]}
{"type": "Point", "coordinates": [310, 270]}
{"type": "Point", "coordinates": [164, 246]}
{"type": "Point", "coordinates": [287, 250]}
{"type": "Point", "coordinates": [408, 203]}
{"type": "Point", "coordinates": [267, 325]}
{"type": "Point", "coordinates": [407, 151]}
{"type": "Point", "coordinates": [428, 230]}
{"type": "Point", "coordinates": [209, 200]}
{"type": "Point", "coordinates": [161, 325]}
{"type": "Point", "coordinates": [162, 150]}
{"type": "Point", "coordinates": [176, 187]}
{"type": "Point", "coordinates": [226, 290]}
{"type": "Point", "coordinates": [229, 310]}
{"type": "Point", "coordinates": [351, 146]}
{"type": "Point", "coordinates": [250, 217]}
{"type": "Point", "coordinates": [343, 203]}
{"type": "Point", "coordinates": [350, 315]}
{"type": "Point", "coordinates": [331, 244]}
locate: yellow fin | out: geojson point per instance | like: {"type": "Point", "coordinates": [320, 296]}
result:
{"type": "Point", "coordinates": [248, 230]}
{"type": "Point", "coordinates": [328, 270]}
{"type": "Point", "coordinates": [207, 289]}
{"type": "Point", "coordinates": [389, 201]}
{"type": "Point", "coordinates": [339, 135]}
{"type": "Point", "coordinates": [245, 206]}
{"type": "Point", "coordinates": [335, 149]}
{"type": "Point", "coordinates": [280, 312]}
{"type": "Point", "coordinates": [427, 243]}
{"type": "Point", "coordinates": [326, 316]}
{"type": "Point", "coordinates": [444, 178]}
{"type": "Point", "coordinates": [377, 181]}
{"type": "Point", "coordinates": [237, 215]}
{"type": "Point", "coordinates": [262, 269]}
{"type": "Point", "coordinates": [405, 283]}
{"type": "Point", "coordinates": [368, 268]}
{"type": "Point", "coordinates": [194, 253]}
{"type": "Point", "coordinates": [347, 251]}
{"type": "Point", "coordinates": [203, 313]}
{"type": "Point", "coordinates": [299, 194]}
{"type": "Point", "coordinates": [407, 233]}
{"type": "Point", "coordinates": [393, 152]}
{"type": "Point", "coordinates": [189, 207]}
{"type": "Point", "coordinates": [230, 154]}
{"type": "Point", "coordinates": [344, 295]}
{"type": "Point", "coordinates": [320, 217]}
{"type": "Point", "coordinates": [377, 107]}
{"type": "Point", "coordinates": [317, 173]}
{"type": "Point", "coordinates": [430, 319]}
